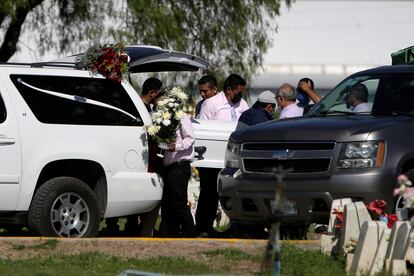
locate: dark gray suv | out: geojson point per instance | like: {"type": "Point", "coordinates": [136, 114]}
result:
{"type": "Point", "coordinates": [333, 152]}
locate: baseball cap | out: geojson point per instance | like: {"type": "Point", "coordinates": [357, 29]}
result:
{"type": "Point", "coordinates": [266, 97]}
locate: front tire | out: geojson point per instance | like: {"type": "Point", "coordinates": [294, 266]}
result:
{"type": "Point", "coordinates": [64, 207]}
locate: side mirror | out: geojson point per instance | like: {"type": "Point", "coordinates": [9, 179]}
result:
{"type": "Point", "coordinates": [200, 151]}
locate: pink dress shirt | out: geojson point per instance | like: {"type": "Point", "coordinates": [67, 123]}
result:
{"type": "Point", "coordinates": [184, 145]}
{"type": "Point", "coordinates": [290, 111]}
{"type": "Point", "coordinates": [219, 108]}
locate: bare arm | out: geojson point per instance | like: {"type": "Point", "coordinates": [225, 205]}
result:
{"type": "Point", "coordinates": [305, 86]}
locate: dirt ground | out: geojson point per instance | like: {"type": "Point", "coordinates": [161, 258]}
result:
{"type": "Point", "coordinates": [122, 247]}
{"type": "Point", "coordinates": [11, 247]}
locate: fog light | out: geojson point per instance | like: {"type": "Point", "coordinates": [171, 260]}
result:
{"type": "Point", "coordinates": [248, 205]}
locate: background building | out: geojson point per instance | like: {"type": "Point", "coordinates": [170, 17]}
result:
{"type": "Point", "coordinates": [328, 40]}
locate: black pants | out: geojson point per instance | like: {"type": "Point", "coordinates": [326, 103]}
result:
{"type": "Point", "coordinates": [208, 200]}
{"type": "Point", "coordinates": [175, 212]}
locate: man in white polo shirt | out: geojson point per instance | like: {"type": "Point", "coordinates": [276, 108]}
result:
{"type": "Point", "coordinates": [227, 105]}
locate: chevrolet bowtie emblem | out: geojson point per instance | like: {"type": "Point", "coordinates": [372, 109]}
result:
{"type": "Point", "coordinates": [283, 154]}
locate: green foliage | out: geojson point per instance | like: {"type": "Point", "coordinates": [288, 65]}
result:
{"type": "Point", "coordinates": [232, 35]}
{"type": "Point", "coordinates": [8, 7]}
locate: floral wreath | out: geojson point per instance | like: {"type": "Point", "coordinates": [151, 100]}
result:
{"type": "Point", "coordinates": [109, 60]}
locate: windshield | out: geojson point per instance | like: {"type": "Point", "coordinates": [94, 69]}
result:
{"type": "Point", "coordinates": [370, 94]}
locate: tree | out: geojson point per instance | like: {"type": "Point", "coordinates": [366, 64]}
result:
{"type": "Point", "coordinates": [62, 26]}
{"type": "Point", "coordinates": [15, 13]}
{"type": "Point", "coordinates": [233, 35]}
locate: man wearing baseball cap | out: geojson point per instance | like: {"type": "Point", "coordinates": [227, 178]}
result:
{"type": "Point", "coordinates": [261, 111]}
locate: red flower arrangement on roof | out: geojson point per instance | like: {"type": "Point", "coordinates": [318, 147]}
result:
{"type": "Point", "coordinates": [109, 60]}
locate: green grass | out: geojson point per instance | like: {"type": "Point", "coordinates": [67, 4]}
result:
{"type": "Point", "coordinates": [98, 264]}
{"type": "Point", "coordinates": [232, 254]}
{"type": "Point", "coordinates": [48, 244]}
{"type": "Point", "coordinates": [221, 261]}
{"type": "Point", "coordinates": [300, 262]}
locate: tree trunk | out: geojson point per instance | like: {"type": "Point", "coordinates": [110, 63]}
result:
{"type": "Point", "coordinates": [11, 37]}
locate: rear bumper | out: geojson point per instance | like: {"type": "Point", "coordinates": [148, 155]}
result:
{"type": "Point", "coordinates": [247, 197]}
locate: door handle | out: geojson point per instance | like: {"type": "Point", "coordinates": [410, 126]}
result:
{"type": "Point", "coordinates": [5, 141]}
{"type": "Point", "coordinates": [200, 151]}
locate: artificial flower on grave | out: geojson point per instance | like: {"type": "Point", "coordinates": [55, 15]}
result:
{"type": "Point", "coordinates": [349, 247]}
{"type": "Point", "coordinates": [391, 220]}
{"type": "Point", "coordinates": [109, 60]}
{"type": "Point", "coordinates": [376, 209]}
{"type": "Point", "coordinates": [339, 212]}
{"type": "Point", "coordinates": [166, 118]}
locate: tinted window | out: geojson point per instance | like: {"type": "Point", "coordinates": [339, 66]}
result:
{"type": "Point", "coordinates": [385, 93]}
{"type": "Point", "coordinates": [2, 111]}
{"type": "Point", "coordinates": [396, 93]}
{"type": "Point", "coordinates": [53, 109]}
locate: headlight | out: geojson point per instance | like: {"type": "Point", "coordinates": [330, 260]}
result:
{"type": "Point", "coordinates": [232, 155]}
{"type": "Point", "coordinates": [362, 155]}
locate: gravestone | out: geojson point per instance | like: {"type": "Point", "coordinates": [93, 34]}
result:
{"type": "Point", "coordinates": [397, 245]}
{"type": "Point", "coordinates": [355, 214]}
{"type": "Point", "coordinates": [337, 203]}
{"type": "Point", "coordinates": [329, 241]}
{"type": "Point", "coordinates": [371, 248]}
{"type": "Point", "coordinates": [409, 248]}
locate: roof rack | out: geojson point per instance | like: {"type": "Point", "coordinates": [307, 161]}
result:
{"type": "Point", "coordinates": [46, 64]}
{"type": "Point", "coordinates": [57, 64]}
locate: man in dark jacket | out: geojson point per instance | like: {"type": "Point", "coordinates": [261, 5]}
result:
{"type": "Point", "coordinates": [261, 111]}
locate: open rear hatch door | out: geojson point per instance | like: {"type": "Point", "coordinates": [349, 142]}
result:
{"type": "Point", "coordinates": [144, 58]}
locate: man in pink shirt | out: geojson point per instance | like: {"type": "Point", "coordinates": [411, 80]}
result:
{"type": "Point", "coordinates": [226, 106]}
{"type": "Point", "coordinates": [286, 100]}
{"type": "Point", "coordinates": [176, 217]}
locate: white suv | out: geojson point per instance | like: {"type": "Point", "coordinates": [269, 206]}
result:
{"type": "Point", "coordinates": [72, 146]}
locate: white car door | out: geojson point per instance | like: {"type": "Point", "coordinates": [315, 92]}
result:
{"type": "Point", "coordinates": [10, 155]}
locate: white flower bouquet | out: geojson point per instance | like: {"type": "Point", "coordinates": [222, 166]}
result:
{"type": "Point", "coordinates": [167, 117]}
